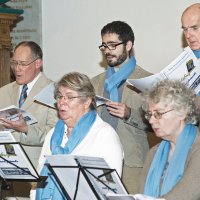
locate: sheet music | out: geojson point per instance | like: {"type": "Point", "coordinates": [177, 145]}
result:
{"type": "Point", "coordinates": [14, 163]}
{"type": "Point", "coordinates": [12, 113]}
{"type": "Point", "coordinates": [101, 174]}
{"type": "Point", "coordinates": [185, 68]}
{"type": "Point", "coordinates": [101, 100]}
{"type": "Point", "coordinates": [46, 95]}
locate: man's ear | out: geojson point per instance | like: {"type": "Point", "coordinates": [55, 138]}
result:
{"type": "Point", "coordinates": [39, 63]}
{"type": "Point", "coordinates": [129, 45]}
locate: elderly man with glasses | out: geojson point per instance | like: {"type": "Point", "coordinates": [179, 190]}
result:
{"type": "Point", "coordinates": [30, 80]}
{"type": "Point", "coordinates": [191, 27]}
{"type": "Point", "coordinates": [123, 111]}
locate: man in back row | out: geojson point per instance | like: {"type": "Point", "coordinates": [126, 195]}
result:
{"type": "Point", "coordinates": [191, 27]}
{"type": "Point", "coordinates": [30, 80]}
{"type": "Point", "coordinates": [123, 111]}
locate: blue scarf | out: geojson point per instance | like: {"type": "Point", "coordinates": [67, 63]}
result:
{"type": "Point", "coordinates": [197, 53]}
{"type": "Point", "coordinates": [175, 169]}
{"type": "Point", "coordinates": [114, 79]}
{"type": "Point", "coordinates": [52, 189]}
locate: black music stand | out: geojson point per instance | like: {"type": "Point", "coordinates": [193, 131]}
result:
{"type": "Point", "coordinates": [81, 177]}
{"type": "Point", "coordinates": [15, 165]}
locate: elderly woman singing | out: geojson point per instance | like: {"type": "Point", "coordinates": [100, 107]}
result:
{"type": "Point", "coordinates": [79, 131]}
{"type": "Point", "coordinates": [171, 170]}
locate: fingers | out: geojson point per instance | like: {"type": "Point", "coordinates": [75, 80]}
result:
{"type": "Point", "coordinates": [116, 109]}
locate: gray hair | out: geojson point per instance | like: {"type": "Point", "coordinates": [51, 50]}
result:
{"type": "Point", "coordinates": [176, 95]}
{"type": "Point", "coordinates": [80, 83]}
{"type": "Point", "coordinates": [36, 51]}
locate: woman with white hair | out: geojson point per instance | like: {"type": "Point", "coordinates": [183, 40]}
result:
{"type": "Point", "coordinates": [171, 170]}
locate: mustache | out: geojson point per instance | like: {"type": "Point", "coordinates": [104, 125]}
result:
{"type": "Point", "coordinates": [108, 54]}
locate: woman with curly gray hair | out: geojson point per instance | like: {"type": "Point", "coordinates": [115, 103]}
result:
{"type": "Point", "coordinates": [171, 170]}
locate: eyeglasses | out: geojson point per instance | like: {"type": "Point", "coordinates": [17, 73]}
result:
{"type": "Point", "coordinates": [67, 98]}
{"type": "Point", "coordinates": [22, 64]}
{"type": "Point", "coordinates": [109, 46]}
{"type": "Point", "coordinates": [191, 28]}
{"type": "Point", "coordinates": [156, 115]}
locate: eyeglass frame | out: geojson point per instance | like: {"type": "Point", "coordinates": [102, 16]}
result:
{"type": "Point", "coordinates": [67, 98]}
{"type": "Point", "coordinates": [192, 28]}
{"type": "Point", "coordinates": [103, 47]}
{"type": "Point", "coordinates": [14, 63]}
{"type": "Point", "coordinates": [156, 115]}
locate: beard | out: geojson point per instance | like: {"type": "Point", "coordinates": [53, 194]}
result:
{"type": "Point", "coordinates": [119, 59]}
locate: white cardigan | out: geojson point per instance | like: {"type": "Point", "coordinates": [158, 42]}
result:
{"type": "Point", "coordinates": [101, 141]}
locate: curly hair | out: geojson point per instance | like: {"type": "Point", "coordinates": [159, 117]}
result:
{"type": "Point", "coordinates": [79, 83]}
{"type": "Point", "coordinates": [176, 95]}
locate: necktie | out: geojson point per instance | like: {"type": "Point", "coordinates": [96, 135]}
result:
{"type": "Point", "coordinates": [23, 95]}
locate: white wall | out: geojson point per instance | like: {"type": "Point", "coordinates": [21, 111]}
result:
{"type": "Point", "coordinates": [71, 32]}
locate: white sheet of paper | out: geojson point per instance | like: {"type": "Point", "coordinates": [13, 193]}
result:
{"type": "Point", "coordinates": [185, 68]}
{"type": "Point", "coordinates": [68, 176]}
{"type": "Point", "coordinates": [46, 96]}
{"type": "Point", "coordinates": [101, 100]}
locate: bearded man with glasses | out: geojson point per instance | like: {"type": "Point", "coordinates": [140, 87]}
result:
{"type": "Point", "coordinates": [123, 111]}
{"type": "Point", "coordinates": [30, 80]}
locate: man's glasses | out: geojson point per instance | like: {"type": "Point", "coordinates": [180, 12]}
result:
{"type": "Point", "coordinates": [156, 115]}
{"type": "Point", "coordinates": [22, 64]}
{"type": "Point", "coordinates": [111, 46]}
{"type": "Point", "coordinates": [66, 98]}
{"type": "Point", "coordinates": [191, 28]}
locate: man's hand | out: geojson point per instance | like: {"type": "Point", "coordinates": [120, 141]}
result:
{"type": "Point", "coordinates": [118, 109]}
{"type": "Point", "coordinates": [19, 125]}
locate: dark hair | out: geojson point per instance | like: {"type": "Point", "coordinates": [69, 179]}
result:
{"type": "Point", "coordinates": [35, 48]}
{"type": "Point", "coordinates": [122, 29]}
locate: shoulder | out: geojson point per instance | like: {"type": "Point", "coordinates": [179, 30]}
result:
{"type": "Point", "coordinates": [196, 146]}
{"type": "Point", "coordinates": [139, 72]}
{"type": "Point", "coordinates": [98, 77]}
{"type": "Point", "coordinates": [100, 123]}
{"type": "Point", "coordinates": [104, 130]}
{"type": "Point", "coordinates": [43, 78]}
{"type": "Point", "coordinates": [9, 89]}
{"type": "Point", "coordinates": [9, 85]}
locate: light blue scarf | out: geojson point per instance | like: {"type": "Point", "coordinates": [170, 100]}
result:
{"type": "Point", "coordinates": [175, 169]}
{"type": "Point", "coordinates": [52, 189]}
{"type": "Point", "coordinates": [114, 79]}
{"type": "Point", "coordinates": [197, 53]}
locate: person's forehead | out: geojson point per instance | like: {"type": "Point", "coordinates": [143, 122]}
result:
{"type": "Point", "coordinates": [110, 37]}
{"type": "Point", "coordinates": [66, 90]}
{"type": "Point", "coordinates": [191, 17]}
{"type": "Point", "coordinates": [22, 52]}
{"type": "Point", "coordinates": [161, 105]}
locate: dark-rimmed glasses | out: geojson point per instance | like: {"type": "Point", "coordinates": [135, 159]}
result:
{"type": "Point", "coordinates": [156, 115]}
{"type": "Point", "coordinates": [111, 46]}
{"type": "Point", "coordinates": [22, 64]}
